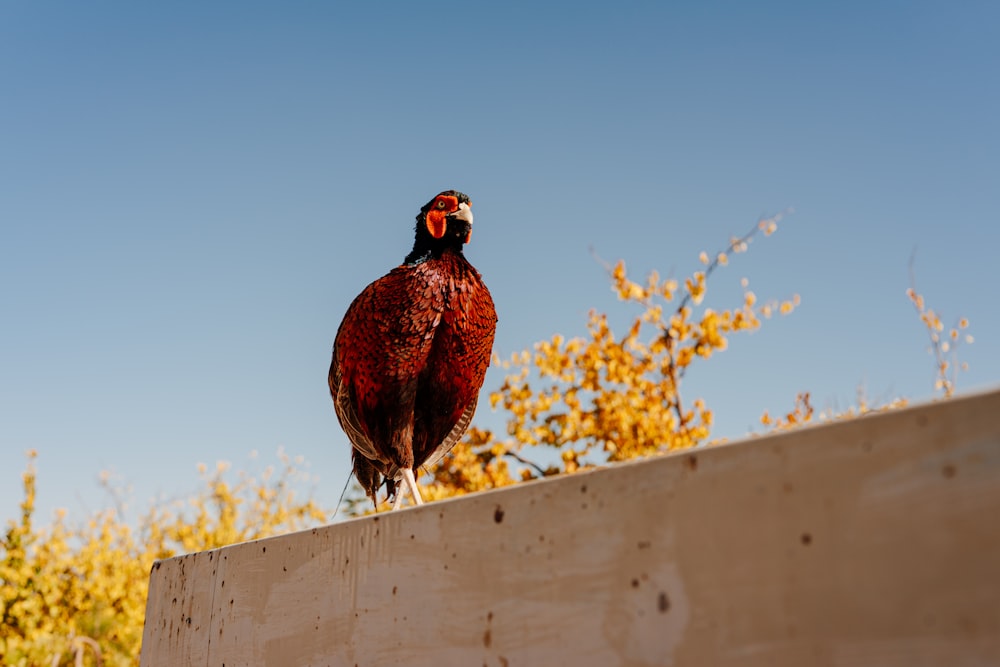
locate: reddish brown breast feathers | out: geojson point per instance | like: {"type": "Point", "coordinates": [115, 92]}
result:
{"type": "Point", "coordinates": [411, 355]}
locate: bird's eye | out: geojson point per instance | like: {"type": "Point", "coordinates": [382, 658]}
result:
{"type": "Point", "coordinates": [441, 203]}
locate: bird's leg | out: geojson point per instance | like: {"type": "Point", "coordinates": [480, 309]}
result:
{"type": "Point", "coordinates": [411, 482]}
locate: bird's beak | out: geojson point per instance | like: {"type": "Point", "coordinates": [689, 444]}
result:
{"type": "Point", "coordinates": [464, 213]}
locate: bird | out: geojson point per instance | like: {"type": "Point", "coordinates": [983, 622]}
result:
{"type": "Point", "coordinates": [411, 354]}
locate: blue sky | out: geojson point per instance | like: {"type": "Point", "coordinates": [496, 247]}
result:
{"type": "Point", "coordinates": [192, 193]}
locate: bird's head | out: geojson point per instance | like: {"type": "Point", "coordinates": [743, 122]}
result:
{"type": "Point", "coordinates": [444, 223]}
{"type": "Point", "coordinates": [447, 218]}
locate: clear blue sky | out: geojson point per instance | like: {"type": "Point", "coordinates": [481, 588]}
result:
{"type": "Point", "coordinates": [192, 193]}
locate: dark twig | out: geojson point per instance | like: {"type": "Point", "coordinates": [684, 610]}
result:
{"type": "Point", "coordinates": [520, 459]}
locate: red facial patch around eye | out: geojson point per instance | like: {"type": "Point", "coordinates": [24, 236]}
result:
{"type": "Point", "coordinates": [447, 203]}
{"type": "Point", "coordinates": [436, 218]}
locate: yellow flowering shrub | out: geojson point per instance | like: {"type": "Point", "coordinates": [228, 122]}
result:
{"type": "Point", "coordinates": [607, 396]}
{"type": "Point", "coordinates": [603, 397]}
{"type": "Point", "coordinates": [76, 595]}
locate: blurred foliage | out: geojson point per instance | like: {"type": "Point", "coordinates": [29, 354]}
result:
{"type": "Point", "coordinates": [605, 397]}
{"type": "Point", "coordinates": [944, 345]}
{"type": "Point", "coordinates": [76, 595]}
{"type": "Point", "coordinates": [587, 401]}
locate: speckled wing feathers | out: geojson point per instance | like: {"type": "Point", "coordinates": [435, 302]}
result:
{"type": "Point", "coordinates": [454, 436]}
{"type": "Point", "coordinates": [343, 403]}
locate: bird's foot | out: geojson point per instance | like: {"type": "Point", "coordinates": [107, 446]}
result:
{"type": "Point", "coordinates": [410, 483]}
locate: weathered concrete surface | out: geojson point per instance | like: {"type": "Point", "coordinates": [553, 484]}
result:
{"type": "Point", "coordinates": [874, 541]}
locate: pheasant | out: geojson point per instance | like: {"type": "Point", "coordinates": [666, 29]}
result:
{"type": "Point", "coordinates": [410, 356]}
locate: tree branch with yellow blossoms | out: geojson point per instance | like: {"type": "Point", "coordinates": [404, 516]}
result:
{"type": "Point", "coordinates": [943, 347]}
{"type": "Point", "coordinates": [598, 398]}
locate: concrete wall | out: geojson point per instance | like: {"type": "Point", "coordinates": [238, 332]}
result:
{"type": "Point", "coordinates": [874, 541]}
